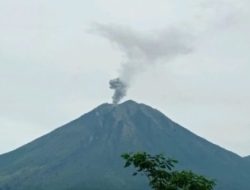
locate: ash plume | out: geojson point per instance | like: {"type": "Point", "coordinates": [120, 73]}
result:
{"type": "Point", "coordinates": [120, 89]}
{"type": "Point", "coordinates": [142, 50]}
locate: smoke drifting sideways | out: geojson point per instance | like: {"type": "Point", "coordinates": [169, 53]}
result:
{"type": "Point", "coordinates": [141, 50]}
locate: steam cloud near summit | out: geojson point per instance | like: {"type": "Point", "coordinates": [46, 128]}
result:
{"type": "Point", "coordinates": [120, 89]}
{"type": "Point", "coordinates": [141, 51]}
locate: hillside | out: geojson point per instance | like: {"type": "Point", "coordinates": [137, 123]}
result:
{"type": "Point", "coordinates": [85, 153]}
{"type": "Point", "coordinates": [247, 158]}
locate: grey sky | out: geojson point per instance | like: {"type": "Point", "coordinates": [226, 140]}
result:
{"type": "Point", "coordinates": [53, 69]}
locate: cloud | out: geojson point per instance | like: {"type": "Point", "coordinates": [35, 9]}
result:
{"type": "Point", "coordinates": [142, 50]}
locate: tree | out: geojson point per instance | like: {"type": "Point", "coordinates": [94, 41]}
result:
{"type": "Point", "coordinates": [160, 173]}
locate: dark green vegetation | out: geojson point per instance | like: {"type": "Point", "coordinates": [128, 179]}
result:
{"type": "Point", "coordinates": [85, 153]}
{"type": "Point", "coordinates": [161, 175]}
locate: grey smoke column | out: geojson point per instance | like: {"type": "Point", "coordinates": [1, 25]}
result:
{"type": "Point", "coordinates": [120, 89]}
{"type": "Point", "coordinates": [142, 50]}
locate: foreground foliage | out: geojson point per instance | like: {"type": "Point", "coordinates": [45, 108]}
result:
{"type": "Point", "coordinates": [160, 173]}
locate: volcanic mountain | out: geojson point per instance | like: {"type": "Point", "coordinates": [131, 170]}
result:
{"type": "Point", "coordinates": [247, 158]}
{"type": "Point", "coordinates": [85, 153]}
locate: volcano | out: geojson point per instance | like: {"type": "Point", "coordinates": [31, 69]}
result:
{"type": "Point", "coordinates": [86, 153]}
{"type": "Point", "coordinates": [247, 158]}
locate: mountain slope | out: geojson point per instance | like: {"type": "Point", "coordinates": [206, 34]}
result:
{"type": "Point", "coordinates": [85, 153]}
{"type": "Point", "coordinates": [247, 158]}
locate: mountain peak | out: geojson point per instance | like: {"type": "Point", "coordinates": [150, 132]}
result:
{"type": "Point", "coordinates": [123, 104]}
{"type": "Point", "coordinates": [247, 158]}
{"type": "Point", "coordinates": [130, 102]}
{"type": "Point", "coordinates": [91, 145]}
{"type": "Point", "coordinates": [126, 110]}
{"type": "Point", "coordinates": [126, 107]}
